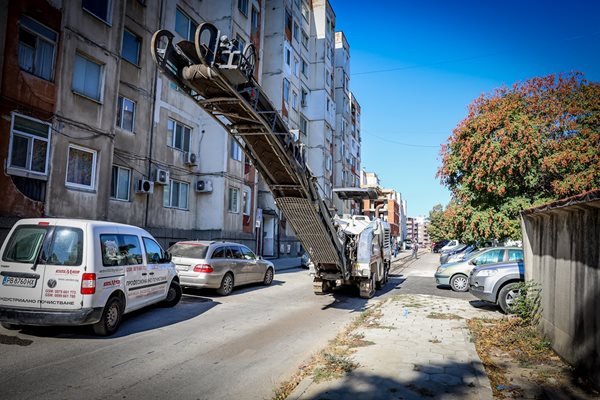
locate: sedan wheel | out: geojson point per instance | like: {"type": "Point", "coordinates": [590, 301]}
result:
{"type": "Point", "coordinates": [459, 283]}
{"type": "Point", "coordinates": [268, 279]}
{"type": "Point", "coordinates": [226, 285]}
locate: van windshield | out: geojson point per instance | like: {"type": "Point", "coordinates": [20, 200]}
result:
{"type": "Point", "coordinates": [189, 250]}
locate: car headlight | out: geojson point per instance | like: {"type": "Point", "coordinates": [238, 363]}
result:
{"type": "Point", "coordinates": [487, 272]}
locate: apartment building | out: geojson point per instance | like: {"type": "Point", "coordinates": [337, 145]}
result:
{"type": "Point", "coordinates": [417, 230]}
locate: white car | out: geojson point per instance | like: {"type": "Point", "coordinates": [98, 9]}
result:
{"type": "Point", "coordinates": [81, 272]}
{"type": "Point", "coordinates": [451, 245]}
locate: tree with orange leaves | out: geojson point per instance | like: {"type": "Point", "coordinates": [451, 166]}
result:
{"type": "Point", "coordinates": [518, 147]}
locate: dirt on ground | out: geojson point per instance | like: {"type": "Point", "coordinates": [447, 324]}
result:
{"type": "Point", "coordinates": [521, 365]}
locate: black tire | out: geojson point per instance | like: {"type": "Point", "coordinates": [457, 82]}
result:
{"type": "Point", "coordinates": [111, 317]}
{"type": "Point", "coordinates": [226, 285]}
{"type": "Point", "coordinates": [507, 296]}
{"type": "Point", "coordinates": [459, 283]}
{"type": "Point", "coordinates": [268, 279]}
{"type": "Point", "coordinates": [9, 326]}
{"type": "Point", "coordinates": [173, 295]}
{"type": "Point", "coordinates": [381, 283]}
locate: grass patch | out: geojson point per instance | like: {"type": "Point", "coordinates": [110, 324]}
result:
{"type": "Point", "coordinates": [449, 316]}
{"type": "Point", "coordinates": [333, 366]}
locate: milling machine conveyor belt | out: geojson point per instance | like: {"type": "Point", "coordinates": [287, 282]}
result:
{"type": "Point", "coordinates": [220, 80]}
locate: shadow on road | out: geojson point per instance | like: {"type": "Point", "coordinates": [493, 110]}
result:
{"type": "Point", "coordinates": [142, 320]}
{"type": "Point", "coordinates": [435, 380]}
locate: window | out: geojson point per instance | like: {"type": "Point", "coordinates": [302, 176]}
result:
{"type": "Point", "coordinates": [296, 67]}
{"type": "Point", "coordinates": [328, 104]}
{"type": "Point", "coordinates": [125, 113]}
{"type": "Point", "coordinates": [303, 125]}
{"type": "Point", "coordinates": [235, 151]}
{"type": "Point", "coordinates": [99, 8]}
{"type": "Point", "coordinates": [304, 39]}
{"type": "Point", "coordinates": [176, 195]}
{"type": "Point", "coordinates": [234, 252]}
{"type": "Point", "coordinates": [296, 32]}
{"type": "Point", "coordinates": [131, 47]}
{"type": "Point", "coordinates": [178, 135]}
{"type": "Point", "coordinates": [218, 253]}
{"type": "Point", "coordinates": [66, 247]}
{"type": "Point", "coordinates": [120, 183]}
{"type": "Point", "coordinates": [288, 20]}
{"type": "Point", "coordinates": [29, 144]}
{"type": "Point", "coordinates": [286, 90]}
{"type": "Point", "coordinates": [247, 253]}
{"type": "Point", "coordinates": [184, 25]}
{"type": "Point", "coordinates": [303, 97]}
{"type": "Point", "coordinates": [490, 257]}
{"type": "Point", "coordinates": [254, 22]}
{"type": "Point", "coordinates": [305, 11]}
{"type": "Point", "coordinates": [288, 56]}
{"type": "Point", "coordinates": [243, 7]}
{"type": "Point", "coordinates": [81, 167]}
{"type": "Point", "coordinates": [234, 202]}
{"type": "Point", "coordinates": [246, 201]}
{"type": "Point", "coordinates": [241, 43]}
{"type": "Point", "coordinates": [87, 77]}
{"type": "Point", "coordinates": [36, 48]}
{"type": "Point", "coordinates": [327, 77]}
{"type": "Point", "coordinates": [328, 163]}
{"type": "Point", "coordinates": [120, 250]}
{"type": "Point", "coordinates": [294, 100]}
{"type": "Point", "coordinates": [154, 253]}
{"type": "Point", "coordinates": [304, 68]}
{"type": "Point", "coordinates": [515, 255]}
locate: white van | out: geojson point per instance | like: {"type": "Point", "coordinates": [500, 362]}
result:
{"type": "Point", "coordinates": [79, 272]}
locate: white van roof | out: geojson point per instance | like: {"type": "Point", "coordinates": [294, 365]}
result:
{"type": "Point", "coordinates": [73, 222]}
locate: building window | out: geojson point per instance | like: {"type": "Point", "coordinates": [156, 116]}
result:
{"type": "Point", "coordinates": [120, 183]}
{"type": "Point", "coordinates": [131, 47]}
{"type": "Point", "coordinates": [328, 104]}
{"type": "Point", "coordinates": [294, 100]}
{"type": "Point", "coordinates": [234, 200]}
{"type": "Point", "coordinates": [99, 8]}
{"type": "Point", "coordinates": [184, 25]}
{"type": "Point", "coordinates": [303, 97]}
{"type": "Point", "coordinates": [176, 195]}
{"type": "Point", "coordinates": [254, 22]}
{"type": "Point", "coordinates": [296, 67]}
{"type": "Point", "coordinates": [125, 114]}
{"type": "Point", "coordinates": [286, 90]}
{"type": "Point", "coordinates": [36, 48]}
{"type": "Point", "coordinates": [243, 7]}
{"type": "Point", "coordinates": [296, 32]}
{"type": "Point", "coordinates": [303, 125]}
{"type": "Point", "coordinates": [304, 39]}
{"type": "Point", "coordinates": [178, 135]}
{"type": "Point", "coordinates": [304, 68]}
{"type": "Point", "coordinates": [81, 167]}
{"type": "Point", "coordinates": [327, 77]}
{"type": "Point", "coordinates": [235, 151]}
{"type": "Point", "coordinates": [87, 77]}
{"type": "Point", "coordinates": [288, 20]}
{"type": "Point", "coordinates": [288, 56]}
{"type": "Point", "coordinates": [241, 43]}
{"type": "Point", "coordinates": [305, 12]}
{"type": "Point", "coordinates": [328, 163]}
{"type": "Point", "coordinates": [247, 201]}
{"type": "Point", "coordinates": [29, 144]}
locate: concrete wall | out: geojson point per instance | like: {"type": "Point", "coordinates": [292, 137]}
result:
{"type": "Point", "coordinates": [562, 254]}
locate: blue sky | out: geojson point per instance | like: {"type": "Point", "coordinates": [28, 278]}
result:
{"type": "Point", "coordinates": [416, 66]}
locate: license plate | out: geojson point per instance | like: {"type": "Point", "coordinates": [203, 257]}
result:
{"type": "Point", "coordinates": [182, 267]}
{"type": "Point", "coordinates": [16, 281]}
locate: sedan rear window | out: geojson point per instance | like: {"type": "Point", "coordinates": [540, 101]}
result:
{"type": "Point", "coordinates": [189, 250]}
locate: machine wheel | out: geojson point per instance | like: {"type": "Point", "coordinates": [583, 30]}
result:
{"type": "Point", "coordinates": [508, 294]}
{"type": "Point", "coordinates": [268, 279]}
{"type": "Point", "coordinates": [226, 285]}
{"type": "Point", "coordinates": [9, 326]}
{"type": "Point", "coordinates": [459, 283]}
{"type": "Point", "coordinates": [322, 286]}
{"type": "Point", "coordinates": [111, 317]}
{"type": "Point", "coordinates": [381, 283]}
{"type": "Point", "coordinates": [367, 287]}
{"type": "Point", "coordinates": [173, 295]}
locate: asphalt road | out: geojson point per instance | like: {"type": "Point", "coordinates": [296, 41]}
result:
{"type": "Point", "coordinates": [207, 347]}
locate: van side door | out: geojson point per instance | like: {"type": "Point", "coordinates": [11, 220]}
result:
{"type": "Point", "coordinates": [159, 270]}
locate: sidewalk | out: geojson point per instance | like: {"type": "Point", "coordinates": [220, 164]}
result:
{"type": "Point", "coordinates": [419, 347]}
{"type": "Point", "coordinates": [285, 263]}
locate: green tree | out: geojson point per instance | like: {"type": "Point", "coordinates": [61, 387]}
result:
{"type": "Point", "coordinates": [518, 147]}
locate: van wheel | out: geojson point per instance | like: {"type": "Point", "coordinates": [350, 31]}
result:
{"type": "Point", "coordinates": [226, 285]}
{"type": "Point", "coordinates": [268, 279]}
{"type": "Point", "coordinates": [111, 318]}
{"type": "Point", "coordinates": [173, 295]}
{"type": "Point", "coordinates": [507, 296]}
{"type": "Point", "coordinates": [10, 327]}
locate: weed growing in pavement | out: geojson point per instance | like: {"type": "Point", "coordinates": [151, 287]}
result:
{"type": "Point", "coordinates": [333, 366]}
{"type": "Point", "coordinates": [527, 305]}
{"type": "Point", "coordinates": [435, 315]}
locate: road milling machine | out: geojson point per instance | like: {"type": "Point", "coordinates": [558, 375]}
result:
{"type": "Point", "coordinates": [220, 77]}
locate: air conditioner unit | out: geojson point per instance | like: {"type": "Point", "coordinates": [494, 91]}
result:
{"type": "Point", "coordinates": [203, 186]}
{"type": "Point", "coordinates": [161, 176]}
{"type": "Point", "coordinates": [144, 186]}
{"type": "Point", "coordinates": [191, 159]}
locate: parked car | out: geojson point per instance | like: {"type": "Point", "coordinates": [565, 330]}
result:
{"type": "Point", "coordinates": [458, 254]}
{"type": "Point", "coordinates": [219, 265]}
{"type": "Point", "coordinates": [80, 272]}
{"type": "Point", "coordinates": [457, 274]}
{"type": "Point", "coordinates": [497, 283]}
{"type": "Point", "coordinates": [438, 245]}
{"type": "Point", "coordinates": [451, 245]}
